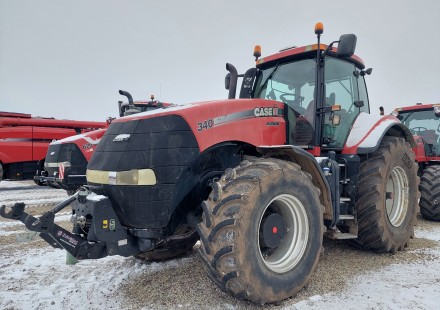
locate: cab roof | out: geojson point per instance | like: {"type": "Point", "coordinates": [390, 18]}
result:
{"type": "Point", "coordinates": [420, 106]}
{"type": "Point", "coordinates": [304, 52]}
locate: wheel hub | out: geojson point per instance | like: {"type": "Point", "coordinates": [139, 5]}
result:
{"type": "Point", "coordinates": [396, 200]}
{"type": "Point", "coordinates": [283, 233]}
{"type": "Point", "coordinates": [273, 230]}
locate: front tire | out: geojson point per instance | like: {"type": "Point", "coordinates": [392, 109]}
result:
{"type": "Point", "coordinates": [262, 229]}
{"type": "Point", "coordinates": [386, 200]}
{"type": "Point", "coordinates": [430, 190]}
{"type": "Point", "coordinates": [1, 172]}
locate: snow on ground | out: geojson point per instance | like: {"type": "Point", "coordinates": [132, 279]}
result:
{"type": "Point", "coordinates": [35, 276]}
{"type": "Point", "coordinates": [414, 285]}
{"type": "Point", "coordinates": [30, 193]}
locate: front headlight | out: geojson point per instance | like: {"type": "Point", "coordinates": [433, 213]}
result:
{"type": "Point", "coordinates": [131, 177]}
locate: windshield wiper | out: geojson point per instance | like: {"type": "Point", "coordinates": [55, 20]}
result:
{"type": "Point", "coordinates": [267, 80]}
{"type": "Point", "coordinates": [405, 118]}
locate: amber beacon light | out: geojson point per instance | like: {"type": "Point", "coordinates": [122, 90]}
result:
{"type": "Point", "coordinates": [257, 52]}
{"type": "Point", "coordinates": [319, 28]}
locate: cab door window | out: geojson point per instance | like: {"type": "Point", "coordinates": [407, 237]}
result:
{"type": "Point", "coordinates": [344, 86]}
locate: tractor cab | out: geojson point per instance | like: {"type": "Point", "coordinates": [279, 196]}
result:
{"type": "Point", "coordinates": [315, 116]}
{"type": "Point", "coordinates": [423, 122]}
{"type": "Point", "coordinates": [293, 83]}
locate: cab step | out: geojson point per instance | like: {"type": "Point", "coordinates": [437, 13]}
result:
{"type": "Point", "coordinates": [336, 234]}
{"type": "Point", "coordinates": [346, 217]}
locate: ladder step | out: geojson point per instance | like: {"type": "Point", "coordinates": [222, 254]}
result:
{"type": "Point", "coordinates": [340, 235]}
{"type": "Point", "coordinates": [346, 217]}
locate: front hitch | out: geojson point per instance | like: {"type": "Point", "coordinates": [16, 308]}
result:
{"type": "Point", "coordinates": [104, 236]}
{"type": "Point", "coordinates": [54, 234]}
{"type": "Point", "coordinates": [13, 213]}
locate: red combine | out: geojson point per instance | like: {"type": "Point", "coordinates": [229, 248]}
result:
{"type": "Point", "coordinates": [259, 180]}
{"type": "Point", "coordinates": [24, 141]}
{"type": "Point", "coordinates": [66, 159]}
{"type": "Point", "coordinates": [424, 123]}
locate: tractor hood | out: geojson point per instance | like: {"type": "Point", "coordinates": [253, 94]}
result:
{"type": "Point", "coordinates": [184, 109]}
{"type": "Point", "coordinates": [142, 157]}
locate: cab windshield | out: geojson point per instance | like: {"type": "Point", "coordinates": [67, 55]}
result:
{"type": "Point", "coordinates": [291, 83]}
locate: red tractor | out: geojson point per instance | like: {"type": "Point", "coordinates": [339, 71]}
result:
{"type": "Point", "coordinates": [423, 122]}
{"type": "Point", "coordinates": [66, 159]}
{"type": "Point", "coordinates": [259, 180]}
{"type": "Point", "coordinates": [24, 141]}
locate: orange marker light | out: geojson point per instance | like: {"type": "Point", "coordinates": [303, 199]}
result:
{"type": "Point", "coordinates": [319, 28]}
{"type": "Point", "coordinates": [257, 51]}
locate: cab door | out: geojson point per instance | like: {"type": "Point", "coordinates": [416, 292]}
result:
{"type": "Point", "coordinates": [344, 86]}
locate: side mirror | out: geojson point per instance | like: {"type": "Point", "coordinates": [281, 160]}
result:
{"type": "Point", "coordinates": [248, 81]}
{"type": "Point", "coordinates": [347, 45]}
{"type": "Point", "coordinates": [227, 81]}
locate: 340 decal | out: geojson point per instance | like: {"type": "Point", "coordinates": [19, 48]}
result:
{"type": "Point", "coordinates": [205, 125]}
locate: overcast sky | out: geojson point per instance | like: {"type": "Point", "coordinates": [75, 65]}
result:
{"type": "Point", "coordinates": [68, 59]}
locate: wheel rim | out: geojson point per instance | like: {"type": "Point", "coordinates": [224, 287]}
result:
{"type": "Point", "coordinates": [397, 196]}
{"type": "Point", "coordinates": [291, 249]}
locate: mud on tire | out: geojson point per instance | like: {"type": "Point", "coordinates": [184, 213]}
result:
{"type": "Point", "coordinates": [386, 200]}
{"type": "Point", "coordinates": [262, 228]}
{"type": "Point", "coordinates": [430, 190]}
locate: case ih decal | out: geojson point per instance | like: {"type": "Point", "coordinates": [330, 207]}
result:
{"type": "Point", "coordinates": [260, 112]}
{"type": "Point", "coordinates": [233, 117]}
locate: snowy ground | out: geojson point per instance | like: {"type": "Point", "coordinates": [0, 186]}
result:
{"type": "Point", "coordinates": [35, 276]}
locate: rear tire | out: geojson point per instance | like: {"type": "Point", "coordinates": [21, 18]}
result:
{"type": "Point", "coordinates": [1, 172]}
{"type": "Point", "coordinates": [430, 190]}
{"type": "Point", "coordinates": [386, 199]}
{"type": "Point", "coordinates": [262, 229]}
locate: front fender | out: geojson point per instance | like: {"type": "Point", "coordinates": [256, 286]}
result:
{"type": "Point", "coordinates": [368, 131]}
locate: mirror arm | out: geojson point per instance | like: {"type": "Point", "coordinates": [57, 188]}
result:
{"type": "Point", "coordinates": [328, 49]}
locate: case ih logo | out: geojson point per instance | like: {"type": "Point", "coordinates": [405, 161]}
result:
{"type": "Point", "coordinates": [87, 146]}
{"type": "Point", "coordinates": [122, 137]}
{"type": "Point", "coordinates": [265, 112]}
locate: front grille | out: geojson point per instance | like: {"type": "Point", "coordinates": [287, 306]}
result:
{"type": "Point", "coordinates": [164, 144]}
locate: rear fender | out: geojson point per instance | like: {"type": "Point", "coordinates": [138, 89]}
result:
{"type": "Point", "coordinates": [368, 131]}
{"type": "Point", "coordinates": [308, 164]}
